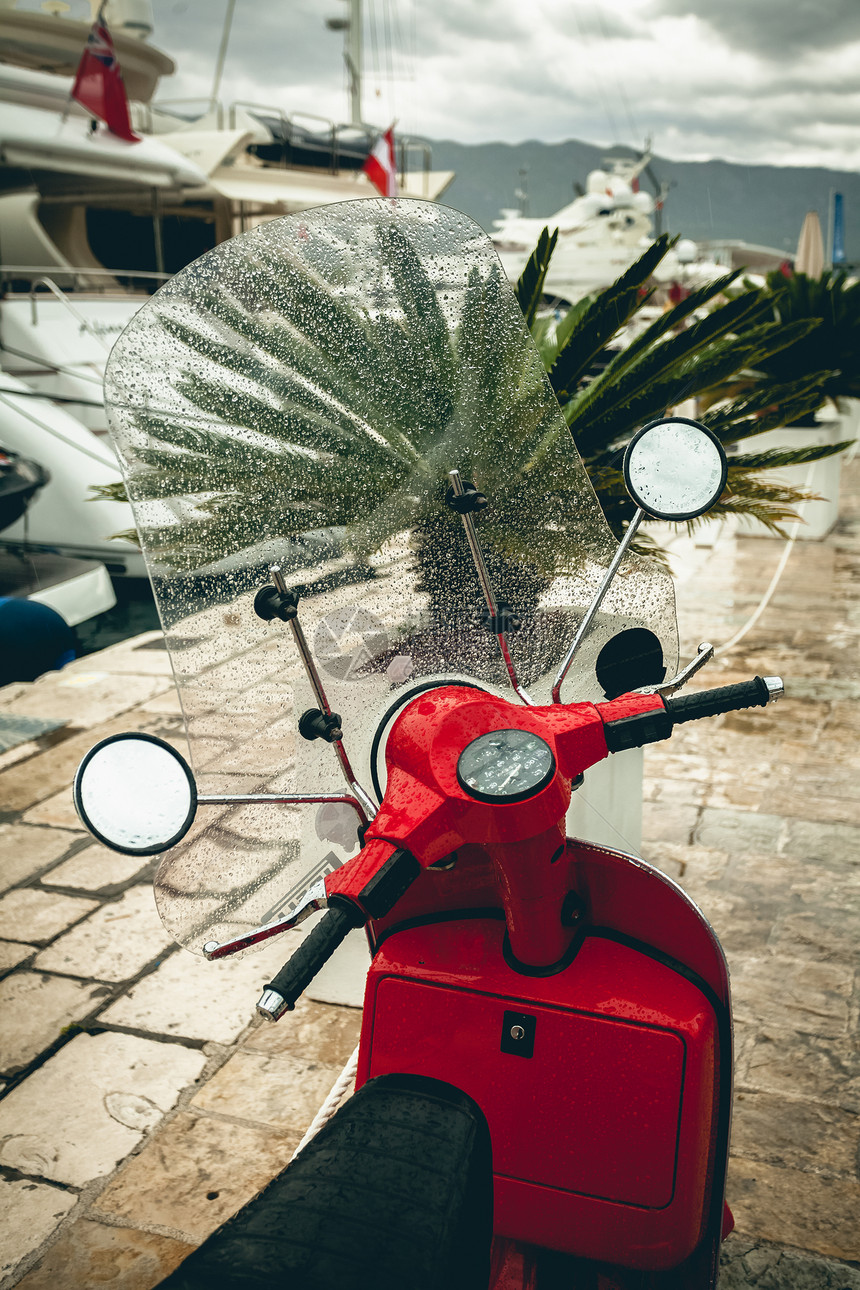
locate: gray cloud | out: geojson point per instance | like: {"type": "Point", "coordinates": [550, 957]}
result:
{"type": "Point", "coordinates": [773, 29]}
{"type": "Point", "coordinates": [275, 43]}
{"type": "Point", "coordinates": [605, 72]}
{"type": "Point", "coordinates": [445, 23]}
{"type": "Point", "coordinates": [593, 23]}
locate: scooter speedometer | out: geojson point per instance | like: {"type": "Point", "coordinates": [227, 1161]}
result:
{"type": "Point", "coordinates": [505, 766]}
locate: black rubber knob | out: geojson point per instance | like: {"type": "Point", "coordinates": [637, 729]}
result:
{"type": "Point", "coordinates": [710, 703]}
{"type": "Point", "coordinates": [315, 951]}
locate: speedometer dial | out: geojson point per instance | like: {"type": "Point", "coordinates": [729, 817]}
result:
{"type": "Point", "coordinates": [505, 766]}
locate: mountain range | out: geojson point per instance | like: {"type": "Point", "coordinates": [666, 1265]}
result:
{"type": "Point", "coordinates": [707, 200]}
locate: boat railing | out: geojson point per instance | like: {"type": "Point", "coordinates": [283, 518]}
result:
{"type": "Point", "coordinates": [338, 153]}
{"type": "Point", "coordinates": [169, 107]}
{"type": "Point", "coordinates": [56, 278]}
{"type": "Point", "coordinates": [64, 300]}
{"type": "Point", "coordinates": [321, 143]}
{"type": "Point", "coordinates": [290, 138]}
{"type": "Point", "coordinates": [299, 138]}
{"type": "Point", "coordinates": [344, 145]}
{"type": "Point", "coordinates": [264, 108]}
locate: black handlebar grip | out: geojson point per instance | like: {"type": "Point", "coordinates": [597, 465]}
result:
{"type": "Point", "coordinates": [656, 723]}
{"type": "Point", "coordinates": [728, 698]}
{"type": "Point", "coordinates": [315, 951]}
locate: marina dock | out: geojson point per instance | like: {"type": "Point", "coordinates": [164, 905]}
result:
{"type": "Point", "coordinates": [142, 1103]}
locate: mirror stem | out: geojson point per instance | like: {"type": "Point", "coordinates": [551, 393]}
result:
{"type": "Point", "coordinates": [591, 612]}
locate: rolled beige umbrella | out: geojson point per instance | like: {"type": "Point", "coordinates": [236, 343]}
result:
{"type": "Point", "coordinates": [810, 248]}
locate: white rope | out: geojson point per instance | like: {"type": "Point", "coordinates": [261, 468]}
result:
{"type": "Point", "coordinates": [774, 582]}
{"type": "Point", "coordinates": [336, 1095]}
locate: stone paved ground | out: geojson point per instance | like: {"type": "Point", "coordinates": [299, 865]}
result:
{"type": "Point", "coordinates": [140, 1104]}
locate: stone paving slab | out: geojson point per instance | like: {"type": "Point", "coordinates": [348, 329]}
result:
{"type": "Point", "coordinates": [794, 1064]}
{"type": "Point", "coordinates": [43, 914]}
{"type": "Point", "coordinates": [36, 1009]}
{"type": "Point", "coordinates": [748, 1266]}
{"type": "Point", "coordinates": [818, 1213]}
{"type": "Point", "coordinates": [136, 657]}
{"type": "Point", "coordinates": [800, 1134]}
{"type": "Point", "coordinates": [91, 1254]}
{"type": "Point", "coordinates": [27, 851]}
{"type": "Point", "coordinates": [114, 943]}
{"type": "Point", "coordinates": [96, 869]}
{"type": "Point", "coordinates": [316, 1032]}
{"type": "Point", "coordinates": [276, 1089]}
{"type": "Point", "coordinates": [812, 998]}
{"type": "Point", "coordinates": [14, 952]}
{"type": "Point", "coordinates": [195, 1173]}
{"type": "Point", "coordinates": [31, 1213]}
{"type": "Point", "coordinates": [87, 697]}
{"type": "Point", "coordinates": [57, 811]}
{"type": "Point", "coordinates": [189, 997]}
{"type": "Point", "coordinates": [123, 1085]}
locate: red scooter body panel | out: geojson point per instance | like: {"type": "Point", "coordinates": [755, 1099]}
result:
{"type": "Point", "coordinates": [604, 1137]}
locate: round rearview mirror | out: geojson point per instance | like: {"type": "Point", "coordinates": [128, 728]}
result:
{"type": "Point", "coordinates": [135, 794]}
{"type": "Point", "coordinates": [675, 469]}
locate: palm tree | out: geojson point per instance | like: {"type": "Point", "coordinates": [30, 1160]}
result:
{"type": "Point", "coordinates": [834, 344]}
{"type": "Point", "coordinates": [732, 350]}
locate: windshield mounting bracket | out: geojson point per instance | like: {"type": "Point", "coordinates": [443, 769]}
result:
{"type": "Point", "coordinates": [278, 601]}
{"type": "Point", "coordinates": [499, 614]}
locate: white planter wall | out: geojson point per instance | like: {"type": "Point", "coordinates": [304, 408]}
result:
{"type": "Point", "coordinates": [608, 807]}
{"type": "Point", "coordinates": [820, 477]}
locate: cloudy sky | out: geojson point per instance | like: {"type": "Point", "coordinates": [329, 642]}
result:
{"type": "Point", "coordinates": [764, 81]}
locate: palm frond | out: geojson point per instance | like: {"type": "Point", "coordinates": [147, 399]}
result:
{"type": "Point", "coordinates": [668, 321]}
{"type": "Point", "coordinates": [589, 331]}
{"type": "Point", "coordinates": [775, 458]}
{"type": "Point", "coordinates": [109, 493]}
{"type": "Point", "coordinates": [676, 369]}
{"type": "Point", "coordinates": [529, 288]}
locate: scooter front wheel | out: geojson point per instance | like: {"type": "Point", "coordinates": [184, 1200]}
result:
{"type": "Point", "coordinates": [394, 1193]}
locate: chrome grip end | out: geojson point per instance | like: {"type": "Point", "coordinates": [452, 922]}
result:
{"type": "Point", "coordinates": [271, 1005]}
{"type": "Point", "coordinates": [775, 688]}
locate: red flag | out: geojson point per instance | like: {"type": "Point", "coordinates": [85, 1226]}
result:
{"type": "Point", "coordinates": [98, 84]}
{"type": "Point", "coordinates": [380, 166]}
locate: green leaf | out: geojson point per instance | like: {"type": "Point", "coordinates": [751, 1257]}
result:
{"type": "Point", "coordinates": [774, 458]}
{"type": "Point", "coordinates": [609, 310]}
{"type": "Point", "coordinates": [530, 286]}
{"type": "Point", "coordinates": [679, 368]}
{"type": "Point", "coordinates": [667, 322]}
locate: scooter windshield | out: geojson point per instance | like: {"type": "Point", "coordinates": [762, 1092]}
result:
{"type": "Point", "coordinates": [297, 397]}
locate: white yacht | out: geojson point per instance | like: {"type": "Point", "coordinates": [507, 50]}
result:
{"type": "Point", "coordinates": [90, 224]}
{"type": "Point", "coordinates": [600, 234]}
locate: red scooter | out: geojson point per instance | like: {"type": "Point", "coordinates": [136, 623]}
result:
{"type": "Point", "coordinates": [544, 1080]}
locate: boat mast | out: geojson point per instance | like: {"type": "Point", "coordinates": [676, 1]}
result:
{"type": "Point", "coordinates": [222, 55]}
{"type": "Point", "coordinates": [353, 61]}
{"type": "Point", "coordinates": [352, 54]}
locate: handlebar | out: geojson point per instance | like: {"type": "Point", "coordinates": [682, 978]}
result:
{"type": "Point", "coordinates": [280, 994]}
{"type": "Point", "coordinates": [757, 693]}
{"type": "Point", "coordinates": [656, 724]}
{"type": "Point", "coordinates": [369, 885]}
